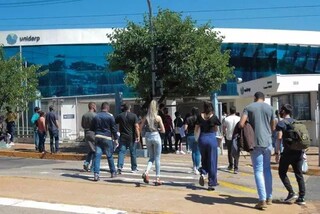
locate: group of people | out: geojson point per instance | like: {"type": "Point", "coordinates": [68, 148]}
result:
{"type": "Point", "coordinates": [44, 123]}
{"type": "Point", "coordinates": [107, 132]}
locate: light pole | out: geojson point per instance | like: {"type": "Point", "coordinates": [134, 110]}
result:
{"type": "Point", "coordinates": [153, 65]}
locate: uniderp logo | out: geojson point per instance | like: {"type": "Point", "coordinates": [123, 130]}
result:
{"type": "Point", "coordinates": [12, 38]}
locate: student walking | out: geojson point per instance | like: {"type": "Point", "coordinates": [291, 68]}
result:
{"type": "Point", "coordinates": [189, 126]}
{"type": "Point", "coordinates": [289, 157]}
{"type": "Point", "coordinates": [129, 137]}
{"type": "Point", "coordinates": [153, 124]}
{"type": "Point", "coordinates": [260, 116]}
{"type": "Point", "coordinates": [105, 128]}
{"type": "Point", "coordinates": [229, 123]}
{"type": "Point", "coordinates": [86, 123]}
{"type": "Point", "coordinates": [207, 125]}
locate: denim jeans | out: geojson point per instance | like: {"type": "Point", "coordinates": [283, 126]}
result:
{"type": "Point", "coordinates": [233, 161]}
{"type": "Point", "coordinates": [208, 146]}
{"type": "Point", "coordinates": [122, 152]}
{"type": "Point", "coordinates": [193, 144]}
{"type": "Point", "coordinates": [153, 142]}
{"type": "Point", "coordinates": [54, 134]}
{"type": "Point", "coordinates": [36, 138]}
{"type": "Point", "coordinates": [104, 146]}
{"type": "Point", "coordinates": [260, 158]}
{"type": "Point", "coordinates": [42, 139]}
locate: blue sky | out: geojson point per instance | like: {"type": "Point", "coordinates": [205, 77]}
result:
{"type": "Point", "coordinates": [52, 14]}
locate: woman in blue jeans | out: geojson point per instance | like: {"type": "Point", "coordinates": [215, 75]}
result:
{"type": "Point", "coordinates": [189, 125]}
{"type": "Point", "coordinates": [207, 124]}
{"type": "Point", "coordinates": [152, 124]}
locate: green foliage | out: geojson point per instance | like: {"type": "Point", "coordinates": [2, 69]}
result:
{"type": "Point", "coordinates": [18, 84]}
{"type": "Point", "coordinates": [188, 57]}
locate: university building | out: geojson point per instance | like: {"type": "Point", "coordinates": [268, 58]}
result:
{"type": "Point", "coordinates": [284, 64]}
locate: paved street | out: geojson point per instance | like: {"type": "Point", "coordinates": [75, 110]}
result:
{"type": "Point", "coordinates": [57, 181]}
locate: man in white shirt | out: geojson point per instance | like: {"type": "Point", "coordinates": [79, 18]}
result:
{"type": "Point", "coordinates": [229, 124]}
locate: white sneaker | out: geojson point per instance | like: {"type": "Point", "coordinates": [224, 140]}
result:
{"type": "Point", "coordinates": [11, 143]}
{"type": "Point", "coordinates": [8, 146]}
{"type": "Point", "coordinates": [182, 152]}
{"type": "Point", "coordinates": [196, 171]}
{"type": "Point", "coordinates": [177, 152]}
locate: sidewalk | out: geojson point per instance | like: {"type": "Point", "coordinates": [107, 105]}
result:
{"type": "Point", "coordinates": [77, 151]}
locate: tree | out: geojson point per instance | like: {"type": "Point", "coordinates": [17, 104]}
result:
{"type": "Point", "coordinates": [189, 59]}
{"type": "Point", "coordinates": [18, 84]}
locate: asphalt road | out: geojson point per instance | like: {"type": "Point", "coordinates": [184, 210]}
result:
{"type": "Point", "coordinates": [176, 174]}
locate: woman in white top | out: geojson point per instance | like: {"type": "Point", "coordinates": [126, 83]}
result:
{"type": "Point", "coordinates": [153, 124]}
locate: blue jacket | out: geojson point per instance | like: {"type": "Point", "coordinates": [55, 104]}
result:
{"type": "Point", "coordinates": [104, 124]}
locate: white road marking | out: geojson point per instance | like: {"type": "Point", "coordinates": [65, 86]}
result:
{"type": "Point", "coordinates": [57, 207]}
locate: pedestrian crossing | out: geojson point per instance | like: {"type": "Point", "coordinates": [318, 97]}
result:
{"type": "Point", "coordinates": [179, 174]}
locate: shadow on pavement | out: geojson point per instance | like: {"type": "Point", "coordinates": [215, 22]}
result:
{"type": "Point", "coordinates": [83, 177]}
{"type": "Point", "coordinates": [69, 169]}
{"type": "Point", "coordinates": [226, 199]}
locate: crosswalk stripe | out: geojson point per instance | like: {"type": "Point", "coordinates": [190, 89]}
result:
{"type": "Point", "coordinates": [57, 207]}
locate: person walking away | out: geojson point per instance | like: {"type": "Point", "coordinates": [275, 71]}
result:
{"type": "Point", "coordinates": [34, 120]}
{"type": "Point", "coordinates": [152, 123]}
{"type": "Point", "coordinates": [207, 125]}
{"type": "Point", "coordinates": [86, 122]}
{"type": "Point", "coordinates": [41, 129]}
{"type": "Point", "coordinates": [178, 124]}
{"type": "Point", "coordinates": [169, 130]}
{"type": "Point", "coordinates": [105, 128]}
{"type": "Point", "coordinates": [189, 126]}
{"type": "Point", "coordinates": [229, 124]}
{"type": "Point", "coordinates": [289, 157]}
{"type": "Point", "coordinates": [260, 116]}
{"type": "Point", "coordinates": [128, 124]}
{"type": "Point", "coordinates": [52, 126]}
{"type": "Point", "coordinates": [161, 114]}
{"type": "Point", "coordinates": [11, 118]}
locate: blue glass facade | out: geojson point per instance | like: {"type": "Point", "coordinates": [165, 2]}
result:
{"type": "Point", "coordinates": [73, 69]}
{"type": "Point", "coordinates": [254, 61]}
{"type": "Point", "coordinates": [82, 69]}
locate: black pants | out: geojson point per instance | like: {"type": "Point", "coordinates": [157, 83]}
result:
{"type": "Point", "coordinates": [295, 159]}
{"type": "Point", "coordinates": [168, 139]}
{"type": "Point", "coordinates": [233, 162]}
{"type": "Point", "coordinates": [177, 141]}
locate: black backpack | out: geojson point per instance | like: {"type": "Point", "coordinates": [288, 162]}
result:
{"type": "Point", "coordinates": [296, 136]}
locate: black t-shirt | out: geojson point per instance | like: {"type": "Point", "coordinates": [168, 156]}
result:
{"type": "Point", "coordinates": [207, 125]}
{"type": "Point", "coordinates": [191, 122]}
{"type": "Point", "coordinates": [127, 121]}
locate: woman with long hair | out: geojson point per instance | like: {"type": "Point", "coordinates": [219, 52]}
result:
{"type": "Point", "coordinates": [152, 123]}
{"type": "Point", "coordinates": [206, 126]}
{"type": "Point", "coordinates": [189, 126]}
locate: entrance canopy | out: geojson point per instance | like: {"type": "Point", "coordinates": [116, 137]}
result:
{"type": "Point", "coordinates": [277, 84]}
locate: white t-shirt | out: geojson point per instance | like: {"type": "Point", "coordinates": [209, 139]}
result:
{"type": "Point", "coordinates": [230, 122]}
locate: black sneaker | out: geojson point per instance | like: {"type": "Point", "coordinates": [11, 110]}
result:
{"type": "Point", "coordinates": [201, 180]}
{"type": "Point", "coordinates": [86, 167]}
{"type": "Point", "coordinates": [113, 175]}
{"type": "Point", "coordinates": [230, 167]}
{"type": "Point", "coordinates": [290, 197]}
{"type": "Point", "coordinates": [301, 201]}
{"type": "Point", "coordinates": [119, 171]}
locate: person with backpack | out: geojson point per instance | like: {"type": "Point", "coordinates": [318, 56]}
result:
{"type": "Point", "coordinates": [289, 156]}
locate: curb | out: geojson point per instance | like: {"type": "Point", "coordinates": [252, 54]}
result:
{"type": "Point", "coordinates": [57, 156]}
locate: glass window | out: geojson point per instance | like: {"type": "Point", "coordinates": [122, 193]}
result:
{"type": "Point", "coordinates": [300, 103]}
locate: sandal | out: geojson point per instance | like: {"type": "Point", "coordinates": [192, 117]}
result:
{"type": "Point", "coordinates": [145, 178]}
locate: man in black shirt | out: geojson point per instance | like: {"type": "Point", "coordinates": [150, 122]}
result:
{"type": "Point", "coordinates": [129, 136]}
